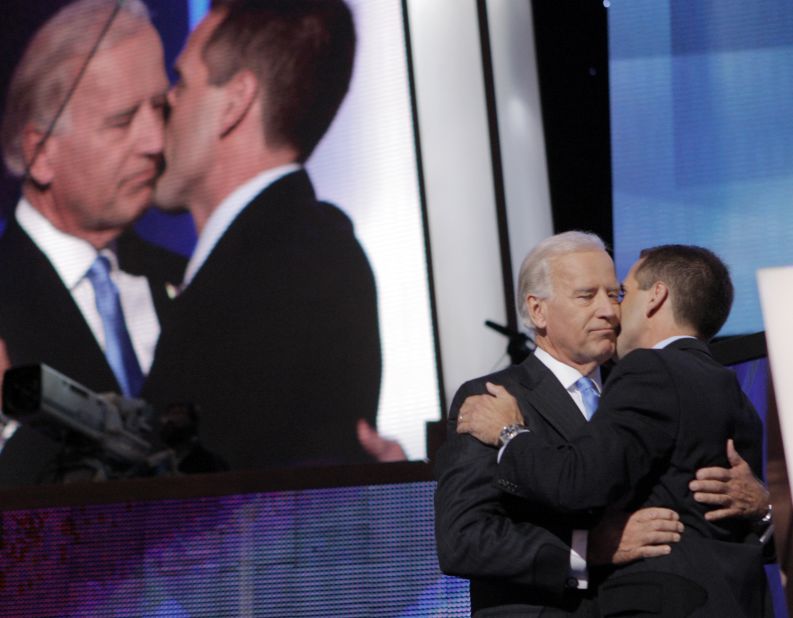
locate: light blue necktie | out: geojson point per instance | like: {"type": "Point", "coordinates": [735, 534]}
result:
{"type": "Point", "coordinates": [589, 394]}
{"type": "Point", "coordinates": [118, 346]}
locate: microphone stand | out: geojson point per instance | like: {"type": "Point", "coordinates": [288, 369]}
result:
{"type": "Point", "coordinates": [519, 346]}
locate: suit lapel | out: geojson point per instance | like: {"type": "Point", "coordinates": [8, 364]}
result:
{"type": "Point", "coordinates": [260, 224]}
{"type": "Point", "coordinates": [162, 269]}
{"type": "Point", "coordinates": [55, 315]}
{"type": "Point", "coordinates": [546, 396]}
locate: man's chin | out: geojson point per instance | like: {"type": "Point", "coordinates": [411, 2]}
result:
{"type": "Point", "coordinates": [606, 351]}
{"type": "Point", "coordinates": [623, 351]}
{"type": "Point", "coordinates": [113, 228]}
{"type": "Point", "coordinates": [165, 199]}
{"type": "Point", "coordinates": [171, 210]}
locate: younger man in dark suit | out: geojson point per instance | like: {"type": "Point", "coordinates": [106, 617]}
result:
{"type": "Point", "coordinates": [274, 335]}
{"type": "Point", "coordinates": [668, 409]}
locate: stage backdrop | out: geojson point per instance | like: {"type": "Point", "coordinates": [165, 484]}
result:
{"type": "Point", "coordinates": [702, 138]}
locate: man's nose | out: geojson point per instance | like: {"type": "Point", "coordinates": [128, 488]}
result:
{"type": "Point", "coordinates": [150, 130]}
{"type": "Point", "coordinates": [607, 306]}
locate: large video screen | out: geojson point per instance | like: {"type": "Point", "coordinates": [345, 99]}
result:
{"type": "Point", "coordinates": [702, 143]}
{"type": "Point", "coordinates": [367, 166]}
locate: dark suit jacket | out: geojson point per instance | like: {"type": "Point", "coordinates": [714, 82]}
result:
{"type": "Point", "coordinates": [516, 556]}
{"type": "Point", "coordinates": [41, 323]}
{"type": "Point", "coordinates": [663, 415]}
{"type": "Point", "coordinates": [276, 339]}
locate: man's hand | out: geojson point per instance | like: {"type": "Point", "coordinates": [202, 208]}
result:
{"type": "Point", "coordinates": [7, 427]}
{"type": "Point", "coordinates": [5, 361]}
{"type": "Point", "coordinates": [735, 490]}
{"type": "Point", "coordinates": [620, 538]}
{"type": "Point", "coordinates": [382, 449]}
{"type": "Point", "coordinates": [484, 416]}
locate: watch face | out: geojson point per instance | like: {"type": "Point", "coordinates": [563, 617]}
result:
{"type": "Point", "coordinates": [509, 432]}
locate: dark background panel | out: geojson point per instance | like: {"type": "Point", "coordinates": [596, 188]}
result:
{"type": "Point", "coordinates": [572, 64]}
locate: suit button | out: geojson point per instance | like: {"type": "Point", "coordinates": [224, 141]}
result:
{"type": "Point", "coordinates": [571, 582]}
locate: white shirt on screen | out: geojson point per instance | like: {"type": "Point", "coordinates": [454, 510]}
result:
{"type": "Point", "coordinates": [71, 257]}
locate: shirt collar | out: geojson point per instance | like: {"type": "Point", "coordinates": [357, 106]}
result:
{"type": "Point", "coordinates": [566, 374]}
{"type": "Point", "coordinates": [223, 216]}
{"type": "Point", "coordinates": [71, 257]}
{"type": "Point", "coordinates": [668, 340]}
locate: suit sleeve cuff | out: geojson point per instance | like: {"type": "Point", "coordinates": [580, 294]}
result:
{"type": "Point", "coordinates": [506, 444]}
{"type": "Point", "coordinates": [578, 568]}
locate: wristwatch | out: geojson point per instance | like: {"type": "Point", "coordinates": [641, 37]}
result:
{"type": "Point", "coordinates": [509, 432]}
{"type": "Point", "coordinates": [764, 527]}
{"type": "Point", "coordinates": [766, 519]}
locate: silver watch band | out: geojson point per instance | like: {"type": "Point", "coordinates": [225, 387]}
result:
{"type": "Point", "coordinates": [509, 432]}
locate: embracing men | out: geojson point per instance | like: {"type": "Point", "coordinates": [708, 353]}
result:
{"type": "Point", "coordinates": [664, 415]}
{"type": "Point", "coordinates": [278, 293]}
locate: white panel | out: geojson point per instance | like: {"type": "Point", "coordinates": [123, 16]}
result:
{"type": "Point", "coordinates": [520, 126]}
{"type": "Point", "coordinates": [366, 164]}
{"type": "Point", "coordinates": [458, 180]}
{"type": "Point", "coordinates": [776, 299]}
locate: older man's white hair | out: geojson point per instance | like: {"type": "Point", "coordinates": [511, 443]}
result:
{"type": "Point", "coordinates": [50, 65]}
{"type": "Point", "coordinates": [534, 277]}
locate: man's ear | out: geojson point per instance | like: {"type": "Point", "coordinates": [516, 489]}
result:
{"type": "Point", "coordinates": [659, 295]}
{"type": "Point", "coordinates": [242, 92]}
{"type": "Point", "coordinates": [38, 159]}
{"type": "Point", "coordinates": [537, 311]}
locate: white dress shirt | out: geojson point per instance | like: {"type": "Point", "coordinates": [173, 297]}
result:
{"type": "Point", "coordinates": [662, 344]}
{"type": "Point", "coordinates": [71, 257]}
{"type": "Point", "coordinates": [223, 216]}
{"type": "Point", "coordinates": [568, 376]}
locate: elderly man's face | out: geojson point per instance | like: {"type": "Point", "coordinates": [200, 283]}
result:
{"type": "Point", "coordinates": [581, 317]}
{"type": "Point", "coordinates": [105, 158]}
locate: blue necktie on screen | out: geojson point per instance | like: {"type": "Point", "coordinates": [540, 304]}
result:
{"type": "Point", "coordinates": [589, 394]}
{"type": "Point", "coordinates": [118, 346]}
